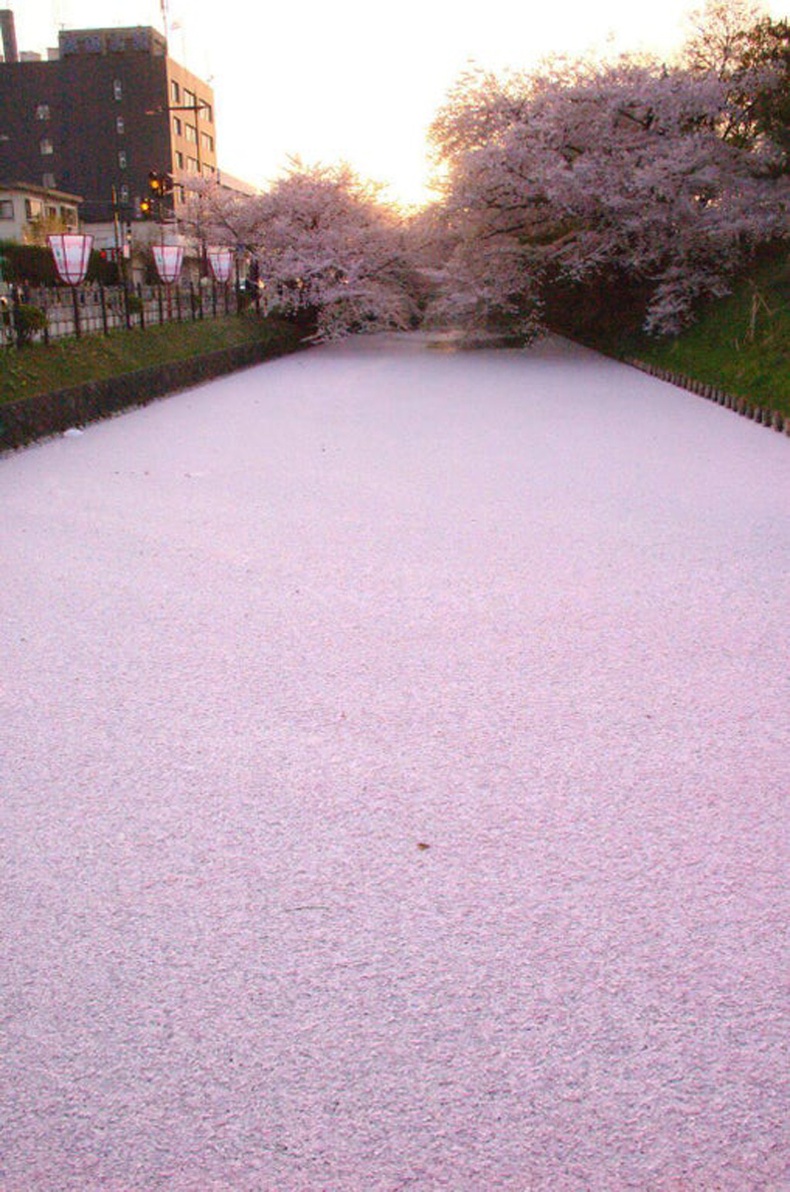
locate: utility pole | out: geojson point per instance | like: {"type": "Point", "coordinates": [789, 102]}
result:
{"type": "Point", "coordinates": [119, 256]}
{"type": "Point", "coordinates": [196, 107]}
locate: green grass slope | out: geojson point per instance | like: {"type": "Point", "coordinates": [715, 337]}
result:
{"type": "Point", "coordinates": [46, 368]}
{"type": "Point", "coordinates": [740, 344]}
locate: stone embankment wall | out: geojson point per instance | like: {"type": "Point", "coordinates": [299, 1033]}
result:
{"type": "Point", "coordinates": [32, 418]}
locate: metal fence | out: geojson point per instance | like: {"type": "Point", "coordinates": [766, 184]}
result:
{"type": "Point", "coordinates": [103, 308]}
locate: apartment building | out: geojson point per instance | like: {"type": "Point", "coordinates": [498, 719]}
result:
{"type": "Point", "coordinates": [105, 108]}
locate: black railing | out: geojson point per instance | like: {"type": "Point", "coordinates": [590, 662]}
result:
{"type": "Point", "coordinates": [105, 308]}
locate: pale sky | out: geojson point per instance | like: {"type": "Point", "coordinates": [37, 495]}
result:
{"type": "Point", "coordinates": [353, 81]}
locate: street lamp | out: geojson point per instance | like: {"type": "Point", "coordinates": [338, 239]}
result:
{"type": "Point", "coordinates": [72, 251]}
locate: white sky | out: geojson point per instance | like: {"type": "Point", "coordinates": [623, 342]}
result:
{"type": "Point", "coordinates": [355, 81]}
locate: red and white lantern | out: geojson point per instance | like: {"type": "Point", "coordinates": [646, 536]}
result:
{"type": "Point", "coordinates": [221, 262]}
{"type": "Point", "coordinates": [168, 259]}
{"type": "Point", "coordinates": [71, 251]}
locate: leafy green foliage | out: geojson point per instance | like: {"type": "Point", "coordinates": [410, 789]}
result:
{"type": "Point", "coordinates": [768, 49]}
{"type": "Point", "coordinates": [27, 263]}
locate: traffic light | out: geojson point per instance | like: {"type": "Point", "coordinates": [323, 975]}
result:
{"type": "Point", "coordinates": [159, 184]}
{"type": "Point", "coordinates": [156, 205]}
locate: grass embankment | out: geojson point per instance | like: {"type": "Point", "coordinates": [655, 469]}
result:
{"type": "Point", "coordinates": [47, 368]}
{"type": "Point", "coordinates": [740, 344]}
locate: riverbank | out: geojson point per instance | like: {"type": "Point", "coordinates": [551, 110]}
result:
{"type": "Point", "coordinates": [45, 390]}
{"type": "Point", "coordinates": [46, 368]}
{"type": "Point", "coordinates": [739, 346]}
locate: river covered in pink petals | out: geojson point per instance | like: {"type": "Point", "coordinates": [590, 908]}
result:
{"type": "Point", "coordinates": [395, 753]}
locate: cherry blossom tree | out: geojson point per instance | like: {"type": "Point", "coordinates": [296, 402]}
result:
{"type": "Point", "coordinates": [329, 245]}
{"type": "Point", "coordinates": [326, 248]}
{"type": "Point", "coordinates": [219, 215]}
{"type": "Point", "coordinates": [585, 171]}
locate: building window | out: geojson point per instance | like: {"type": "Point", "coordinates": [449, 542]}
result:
{"type": "Point", "coordinates": [179, 160]}
{"type": "Point", "coordinates": [6, 209]}
{"type": "Point", "coordinates": [206, 114]}
{"type": "Point", "coordinates": [177, 126]}
{"type": "Point", "coordinates": [42, 111]}
{"type": "Point", "coordinates": [175, 92]}
{"type": "Point", "coordinates": [34, 208]}
{"type": "Point", "coordinates": [120, 127]}
{"type": "Point", "coordinates": [117, 89]}
{"type": "Point", "coordinates": [46, 146]}
{"type": "Point", "coordinates": [192, 165]}
{"type": "Point", "coordinates": [122, 159]}
{"type": "Point", "coordinates": [189, 98]}
{"type": "Point", "coordinates": [48, 180]}
{"type": "Point", "coordinates": [190, 132]}
{"type": "Point", "coordinates": [207, 142]}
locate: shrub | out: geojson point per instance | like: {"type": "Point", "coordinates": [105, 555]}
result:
{"type": "Point", "coordinates": [101, 270]}
{"type": "Point", "coordinates": [28, 263]}
{"type": "Point", "coordinates": [27, 321]}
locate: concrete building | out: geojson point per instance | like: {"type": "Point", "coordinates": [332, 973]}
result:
{"type": "Point", "coordinates": [105, 109]}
